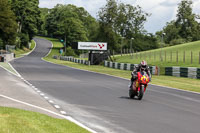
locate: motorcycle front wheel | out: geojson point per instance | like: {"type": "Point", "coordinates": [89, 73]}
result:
{"type": "Point", "coordinates": [141, 92]}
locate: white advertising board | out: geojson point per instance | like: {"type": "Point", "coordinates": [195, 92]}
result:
{"type": "Point", "coordinates": [92, 45]}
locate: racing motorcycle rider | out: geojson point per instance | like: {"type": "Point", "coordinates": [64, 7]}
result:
{"type": "Point", "coordinates": [141, 67]}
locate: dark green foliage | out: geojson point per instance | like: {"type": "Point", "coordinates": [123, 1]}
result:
{"type": "Point", "coordinates": [1, 43]}
{"type": "Point", "coordinates": [71, 23]}
{"type": "Point", "coordinates": [42, 30]}
{"type": "Point", "coordinates": [24, 38]}
{"type": "Point", "coordinates": [28, 17]}
{"type": "Point", "coordinates": [119, 20]}
{"type": "Point", "coordinates": [189, 28]}
{"type": "Point", "coordinates": [70, 52]}
{"type": "Point", "coordinates": [73, 30]}
{"type": "Point", "coordinates": [178, 41]}
{"type": "Point", "coordinates": [8, 30]}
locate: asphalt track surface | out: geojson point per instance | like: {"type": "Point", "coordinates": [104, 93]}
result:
{"type": "Point", "coordinates": [101, 102]}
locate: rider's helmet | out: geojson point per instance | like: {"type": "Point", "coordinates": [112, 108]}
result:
{"type": "Point", "coordinates": [143, 65]}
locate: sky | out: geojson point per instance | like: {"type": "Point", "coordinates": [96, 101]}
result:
{"type": "Point", "coordinates": [162, 11]}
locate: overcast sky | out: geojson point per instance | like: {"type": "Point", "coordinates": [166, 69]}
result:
{"type": "Point", "coordinates": [162, 10]}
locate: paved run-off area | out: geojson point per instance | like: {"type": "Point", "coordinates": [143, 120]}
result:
{"type": "Point", "coordinates": [101, 102]}
{"type": "Point", "coordinates": [14, 92]}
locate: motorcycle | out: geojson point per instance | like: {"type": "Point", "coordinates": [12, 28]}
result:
{"type": "Point", "coordinates": [139, 86]}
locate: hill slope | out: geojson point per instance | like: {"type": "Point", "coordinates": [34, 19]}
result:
{"type": "Point", "coordinates": [186, 55]}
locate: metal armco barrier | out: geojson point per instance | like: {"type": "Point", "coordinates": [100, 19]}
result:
{"type": "Point", "coordinates": [198, 73]}
{"type": "Point", "coordinates": [188, 72]}
{"type": "Point", "coordinates": [127, 66]}
{"type": "Point", "coordinates": [72, 59]}
{"type": "Point", "coordinates": [168, 71]}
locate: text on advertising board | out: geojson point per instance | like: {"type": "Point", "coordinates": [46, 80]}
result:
{"type": "Point", "coordinates": [92, 45]}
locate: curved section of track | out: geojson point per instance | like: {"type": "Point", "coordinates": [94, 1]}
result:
{"type": "Point", "coordinates": [101, 102]}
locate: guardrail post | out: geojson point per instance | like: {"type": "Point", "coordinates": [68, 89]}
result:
{"type": "Point", "coordinates": [171, 56]}
{"type": "Point", "coordinates": [199, 57]}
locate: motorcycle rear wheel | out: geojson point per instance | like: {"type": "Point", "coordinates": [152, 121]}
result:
{"type": "Point", "coordinates": [131, 94]}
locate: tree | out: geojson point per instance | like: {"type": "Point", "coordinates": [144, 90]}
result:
{"type": "Point", "coordinates": [28, 16]}
{"type": "Point", "coordinates": [118, 20]}
{"type": "Point", "coordinates": [171, 32]}
{"type": "Point", "coordinates": [8, 25]}
{"type": "Point", "coordinates": [107, 21]}
{"type": "Point", "coordinates": [130, 20]}
{"type": "Point", "coordinates": [73, 30]}
{"type": "Point", "coordinates": [185, 28]}
{"type": "Point", "coordinates": [42, 29]}
{"type": "Point", "coordinates": [186, 21]}
{"type": "Point", "coordinates": [63, 17]}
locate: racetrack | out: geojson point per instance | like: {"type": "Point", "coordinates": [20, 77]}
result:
{"type": "Point", "coordinates": [101, 102]}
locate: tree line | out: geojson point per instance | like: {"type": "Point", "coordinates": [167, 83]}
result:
{"type": "Point", "coordinates": [119, 24]}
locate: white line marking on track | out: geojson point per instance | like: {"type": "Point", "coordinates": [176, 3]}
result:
{"type": "Point", "coordinates": [49, 111]}
{"type": "Point", "coordinates": [46, 97]}
{"type": "Point", "coordinates": [9, 71]}
{"type": "Point", "coordinates": [14, 70]}
{"type": "Point", "coordinates": [51, 101]}
{"type": "Point", "coordinates": [41, 94]}
{"type": "Point", "coordinates": [63, 112]}
{"type": "Point", "coordinates": [56, 106]}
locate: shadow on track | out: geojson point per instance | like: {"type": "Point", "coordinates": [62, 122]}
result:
{"type": "Point", "coordinates": [126, 97]}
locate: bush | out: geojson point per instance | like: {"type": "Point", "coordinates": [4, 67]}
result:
{"type": "Point", "coordinates": [178, 41]}
{"type": "Point", "coordinates": [1, 43]}
{"type": "Point", "coordinates": [24, 39]}
{"type": "Point", "coordinates": [70, 52]}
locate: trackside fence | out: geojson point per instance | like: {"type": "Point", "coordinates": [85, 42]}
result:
{"type": "Point", "coordinates": [182, 56]}
{"type": "Point", "coordinates": [188, 72]}
{"type": "Point", "coordinates": [126, 66]}
{"type": "Point", "coordinates": [72, 59]}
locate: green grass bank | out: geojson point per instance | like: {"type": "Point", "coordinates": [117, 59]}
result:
{"type": "Point", "coordinates": [20, 121]}
{"type": "Point", "coordinates": [20, 52]}
{"type": "Point", "coordinates": [184, 55]}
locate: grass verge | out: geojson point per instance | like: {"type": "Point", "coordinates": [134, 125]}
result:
{"type": "Point", "coordinates": [18, 53]}
{"type": "Point", "coordinates": [21, 52]}
{"type": "Point", "coordinates": [20, 121]}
